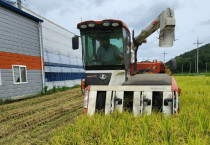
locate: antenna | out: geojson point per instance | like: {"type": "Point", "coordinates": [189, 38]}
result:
{"type": "Point", "coordinates": [19, 4]}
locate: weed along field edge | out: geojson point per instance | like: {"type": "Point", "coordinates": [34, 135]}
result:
{"type": "Point", "coordinates": [57, 119]}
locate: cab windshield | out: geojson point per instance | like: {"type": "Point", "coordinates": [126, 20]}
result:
{"type": "Point", "coordinates": [103, 48]}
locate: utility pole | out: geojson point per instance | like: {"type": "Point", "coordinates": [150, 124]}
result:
{"type": "Point", "coordinates": [164, 54]}
{"type": "Point", "coordinates": [195, 63]}
{"type": "Point", "coordinates": [182, 68]}
{"type": "Point", "coordinates": [19, 4]}
{"type": "Point", "coordinates": [190, 68]}
{"type": "Point", "coordinates": [206, 67]}
{"type": "Point", "coordinates": [197, 52]}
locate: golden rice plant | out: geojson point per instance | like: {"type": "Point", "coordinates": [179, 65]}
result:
{"type": "Point", "coordinates": [190, 126]}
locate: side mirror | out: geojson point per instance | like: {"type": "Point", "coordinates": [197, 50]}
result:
{"type": "Point", "coordinates": [75, 42]}
{"type": "Point", "coordinates": [172, 65]}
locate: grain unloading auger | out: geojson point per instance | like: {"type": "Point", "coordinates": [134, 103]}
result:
{"type": "Point", "coordinates": [108, 86]}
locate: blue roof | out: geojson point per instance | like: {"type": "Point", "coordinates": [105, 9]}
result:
{"type": "Point", "coordinates": [14, 9]}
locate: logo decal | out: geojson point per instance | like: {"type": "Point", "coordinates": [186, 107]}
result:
{"type": "Point", "coordinates": [102, 77]}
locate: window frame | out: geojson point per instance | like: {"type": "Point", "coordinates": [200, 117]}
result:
{"type": "Point", "coordinates": [85, 35]}
{"type": "Point", "coordinates": [20, 66]}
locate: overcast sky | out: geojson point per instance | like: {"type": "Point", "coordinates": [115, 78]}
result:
{"type": "Point", "coordinates": [192, 19]}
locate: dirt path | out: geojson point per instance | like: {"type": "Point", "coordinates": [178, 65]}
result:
{"type": "Point", "coordinates": [33, 121]}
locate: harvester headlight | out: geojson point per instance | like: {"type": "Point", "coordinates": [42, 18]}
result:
{"type": "Point", "coordinates": [115, 24]}
{"type": "Point", "coordinates": [83, 26]}
{"type": "Point", "coordinates": [106, 23]}
{"type": "Point", "coordinates": [91, 24]}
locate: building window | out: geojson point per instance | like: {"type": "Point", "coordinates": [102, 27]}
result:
{"type": "Point", "coordinates": [19, 74]}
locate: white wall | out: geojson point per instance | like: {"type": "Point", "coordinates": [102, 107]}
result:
{"type": "Point", "coordinates": [57, 51]}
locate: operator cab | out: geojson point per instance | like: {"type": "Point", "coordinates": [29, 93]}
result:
{"type": "Point", "coordinates": [105, 45]}
{"type": "Point", "coordinates": [106, 54]}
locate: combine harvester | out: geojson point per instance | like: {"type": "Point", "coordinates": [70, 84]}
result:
{"type": "Point", "coordinates": [108, 85]}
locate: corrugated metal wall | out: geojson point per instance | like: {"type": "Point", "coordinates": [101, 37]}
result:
{"type": "Point", "coordinates": [10, 90]}
{"type": "Point", "coordinates": [18, 35]}
{"type": "Point", "coordinates": [63, 65]}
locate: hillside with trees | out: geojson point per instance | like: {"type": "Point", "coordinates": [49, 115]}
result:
{"type": "Point", "coordinates": [190, 58]}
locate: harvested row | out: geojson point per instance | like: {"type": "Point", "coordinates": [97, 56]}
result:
{"type": "Point", "coordinates": [37, 119]}
{"type": "Point", "coordinates": [47, 112]}
{"type": "Point", "coordinates": [29, 110]}
{"type": "Point", "coordinates": [37, 100]}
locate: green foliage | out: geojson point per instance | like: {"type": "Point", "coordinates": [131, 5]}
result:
{"type": "Point", "coordinates": [190, 126]}
{"type": "Point", "coordinates": [56, 89]}
{"type": "Point", "coordinates": [6, 101]}
{"type": "Point", "coordinates": [192, 74]}
{"type": "Point", "coordinates": [1, 101]}
{"type": "Point", "coordinates": [191, 56]}
{"type": "Point", "coordinates": [45, 89]}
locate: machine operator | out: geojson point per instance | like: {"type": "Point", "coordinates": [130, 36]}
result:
{"type": "Point", "coordinates": [108, 54]}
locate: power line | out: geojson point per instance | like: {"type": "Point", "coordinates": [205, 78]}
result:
{"type": "Point", "coordinates": [35, 7]}
{"type": "Point", "coordinates": [38, 6]}
{"type": "Point", "coordinates": [31, 7]}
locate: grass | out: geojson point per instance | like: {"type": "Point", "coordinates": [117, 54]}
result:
{"type": "Point", "coordinates": [190, 126]}
{"type": "Point", "coordinates": [55, 89]}
{"type": "Point", "coordinates": [1, 101]}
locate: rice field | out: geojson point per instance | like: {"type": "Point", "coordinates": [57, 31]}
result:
{"type": "Point", "coordinates": [190, 126]}
{"type": "Point", "coordinates": [33, 121]}
{"type": "Point", "coordinates": [57, 119]}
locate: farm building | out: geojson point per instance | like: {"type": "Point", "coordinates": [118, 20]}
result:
{"type": "Point", "coordinates": [21, 63]}
{"type": "Point", "coordinates": [63, 65]}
